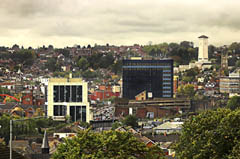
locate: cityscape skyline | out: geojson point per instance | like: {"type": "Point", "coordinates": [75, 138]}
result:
{"type": "Point", "coordinates": [65, 23]}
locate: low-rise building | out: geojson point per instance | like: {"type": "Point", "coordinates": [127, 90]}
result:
{"type": "Point", "coordinates": [230, 84]}
{"type": "Point", "coordinates": [168, 127]}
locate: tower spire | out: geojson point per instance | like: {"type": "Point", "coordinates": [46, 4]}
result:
{"type": "Point", "coordinates": [45, 145]}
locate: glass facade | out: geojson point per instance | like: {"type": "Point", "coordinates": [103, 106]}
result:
{"type": "Point", "coordinates": [154, 76]}
{"type": "Point", "coordinates": [59, 110]}
{"type": "Point", "coordinates": [67, 93]}
{"type": "Point", "coordinates": [78, 113]}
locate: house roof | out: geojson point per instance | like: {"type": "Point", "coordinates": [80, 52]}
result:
{"type": "Point", "coordinates": [5, 153]}
{"type": "Point", "coordinates": [23, 106]}
{"type": "Point", "coordinates": [145, 140]}
{"type": "Point", "coordinates": [169, 125]}
{"type": "Point", "coordinates": [202, 36]}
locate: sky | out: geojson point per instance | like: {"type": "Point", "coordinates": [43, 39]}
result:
{"type": "Point", "coordinates": [64, 23]}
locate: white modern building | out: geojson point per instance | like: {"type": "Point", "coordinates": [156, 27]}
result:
{"type": "Point", "coordinates": [68, 97]}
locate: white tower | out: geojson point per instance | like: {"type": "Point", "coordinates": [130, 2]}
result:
{"type": "Point", "coordinates": [203, 49]}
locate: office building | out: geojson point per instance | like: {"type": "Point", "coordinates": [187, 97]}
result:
{"type": "Point", "coordinates": [147, 79]}
{"type": "Point", "coordinates": [231, 84]}
{"type": "Point", "coordinates": [68, 97]}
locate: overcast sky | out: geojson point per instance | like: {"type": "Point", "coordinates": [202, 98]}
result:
{"type": "Point", "coordinates": [120, 22]}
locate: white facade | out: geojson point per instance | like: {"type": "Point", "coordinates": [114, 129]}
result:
{"type": "Point", "coordinates": [169, 127]}
{"type": "Point", "coordinates": [203, 49]}
{"type": "Point", "coordinates": [68, 97]}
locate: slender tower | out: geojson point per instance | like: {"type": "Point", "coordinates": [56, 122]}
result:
{"type": "Point", "coordinates": [45, 145]}
{"type": "Point", "coordinates": [203, 49]}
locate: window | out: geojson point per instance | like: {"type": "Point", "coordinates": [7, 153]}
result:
{"type": "Point", "coordinates": [74, 94]}
{"type": "Point", "coordinates": [59, 110]}
{"type": "Point", "coordinates": [55, 93]}
{"type": "Point", "coordinates": [61, 93]}
{"type": "Point", "coordinates": [78, 113]}
{"type": "Point", "coordinates": [67, 93]}
{"type": "Point", "coordinates": [79, 94]}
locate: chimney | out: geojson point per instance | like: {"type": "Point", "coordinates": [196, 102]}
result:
{"type": "Point", "coordinates": [45, 145]}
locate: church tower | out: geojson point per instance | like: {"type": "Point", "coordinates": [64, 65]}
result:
{"type": "Point", "coordinates": [203, 49]}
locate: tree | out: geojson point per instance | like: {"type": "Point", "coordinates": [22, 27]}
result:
{"type": "Point", "coordinates": [234, 103]}
{"type": "Point", "coordinates": [106, 61]}
{"type": "Point", "coordinates": [83, 64]}
{"type": "Point", "coordinates": [130, 120]}
{"type": "Point", "coordinates": [94, 60]}
{"type": "Point", "coordinates": [106, 145]}
{"type": "Point", "coordinates": [117, 67]}
{"type": "Point", "coordinates": [23, 57]}
{"type": "Point", "coordinates": [52, 65]}
{"type": "Point", "coordinates": [116, 125]}
{"type": "Point", "coordinates": [89, 74]}
{"type": "Point", "coordinates": [211, 134]}
{"type": "Point", "coordinates": [186, 90]}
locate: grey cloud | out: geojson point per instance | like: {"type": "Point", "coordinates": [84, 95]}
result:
{"type": "Point", "coordinates": [115, 20]}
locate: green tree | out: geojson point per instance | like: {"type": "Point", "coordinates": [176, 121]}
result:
{"type": "Point", "coordinates": [83, 64]}
{"type": "Point", "coordinates": [234, 103]}
{"type": "Point", "coordinates": [94, 60]}
{"type": "Point", "coordinates": [106, 145]}
{"type": "Point", "coordinates": [23, 57]}
{"type": "Point", "coordinates": [106, 61]}
{"type": "Point", "coordinates": [212, 134]}
{"type": "Point", "coordinates": [130, 120]}
{"type": "Point", "coordinates": [89, 74]}
{"type": "Point", "coordinates": [4, 91]}
{"type": "Point", "coordinates": [116, 125]}
{"type": "Point", "coordinates": [51, 65]}
{"type": "Point", "coordinates": [186, 90]}
{"type": "Point", "coordinates": [117, 67]}
{"type": "Point", "coordinates": [187, 79]}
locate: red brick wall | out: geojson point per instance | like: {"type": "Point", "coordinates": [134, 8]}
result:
{"type": "Point", "coordinates": [141, 112]}
{"type": "Point", "coordinates": [121, 110]}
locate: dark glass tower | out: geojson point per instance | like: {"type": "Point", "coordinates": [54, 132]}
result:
{"type": "Point", "coordinates": [153, 76]}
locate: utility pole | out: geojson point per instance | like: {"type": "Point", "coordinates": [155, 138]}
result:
{"type": "Point", "coordinates": [10, 142]}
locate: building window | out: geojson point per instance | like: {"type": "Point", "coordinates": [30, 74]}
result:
{"type": "Point", "coordinates": [59, 110]}
{"type": "Point", "coordinates": [78, 113]}
{"type": "Point", "coordinates": [56, 93]}
{"type": "Point", "coordinates": [74, 93]}
{"type": "Point", "coordinates": [67, 93]}
{"type": "Point", "coordinates": [79, 94]}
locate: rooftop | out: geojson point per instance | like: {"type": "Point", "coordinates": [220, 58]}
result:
{"type": "Point", "coordinates": [203, 36]}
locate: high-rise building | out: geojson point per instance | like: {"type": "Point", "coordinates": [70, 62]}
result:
{"type": "Point", "coordinates": [203, 49]}
{"type": "Point", "coordinates": [68, 97]}
{"type": "Point", "coordinates": [147, 78]}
